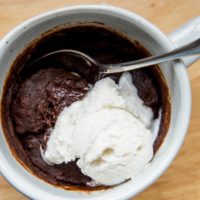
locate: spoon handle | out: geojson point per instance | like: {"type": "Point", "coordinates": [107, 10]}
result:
{"type": "Point", "coordinates": [187, 50]}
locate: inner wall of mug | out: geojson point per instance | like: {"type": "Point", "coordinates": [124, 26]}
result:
{"type": "Point", "coordinates": [134, 28]}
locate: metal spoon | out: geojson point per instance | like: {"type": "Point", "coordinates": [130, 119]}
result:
{"type": "Point", "coordinates": [187, 50]}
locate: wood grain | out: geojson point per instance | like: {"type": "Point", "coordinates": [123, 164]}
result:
{"type": "Point", "coordinates": [182, 179]}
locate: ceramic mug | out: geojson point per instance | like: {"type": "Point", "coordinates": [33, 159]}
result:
{"type": "Point", "coordinates": [155, 42]}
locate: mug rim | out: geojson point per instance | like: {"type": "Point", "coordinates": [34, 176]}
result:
{"type": "Point", "coordinates": [30, 23]}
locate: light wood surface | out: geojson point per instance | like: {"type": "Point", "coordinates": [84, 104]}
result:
{"type": "Point", "coordinates": [182, 179]}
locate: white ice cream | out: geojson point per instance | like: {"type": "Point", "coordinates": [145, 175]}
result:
{"type": "Point", "coordinates": [108, 131]}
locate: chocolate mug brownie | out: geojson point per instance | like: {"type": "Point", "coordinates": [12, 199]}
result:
{"type": "Point", "coordinates": [33, 97]}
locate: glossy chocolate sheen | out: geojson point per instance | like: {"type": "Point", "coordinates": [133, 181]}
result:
{"type": "Point", "coordinates": [34, 96]}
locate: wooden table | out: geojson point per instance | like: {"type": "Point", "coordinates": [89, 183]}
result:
{"type": "Point", "coordinates": [182, 179]}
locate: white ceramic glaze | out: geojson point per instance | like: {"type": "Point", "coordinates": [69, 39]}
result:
{"type": "Point", "coordinates": [135, 27]}
{"type": "Point", "coordinates": [186, 34]}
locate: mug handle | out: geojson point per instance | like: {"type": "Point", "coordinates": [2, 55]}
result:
{"type": "Point", "coordinates": [187, 33]}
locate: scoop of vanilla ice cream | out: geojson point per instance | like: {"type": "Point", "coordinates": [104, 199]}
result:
{"type": "Point", "coordinates": [107, 131]}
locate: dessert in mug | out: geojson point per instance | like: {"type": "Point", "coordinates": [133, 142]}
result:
{"type": "Point", "coordinates": [73, 129]}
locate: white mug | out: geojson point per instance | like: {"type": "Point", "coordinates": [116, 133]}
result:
{"type": "Point", "coordinates": [155, 42]}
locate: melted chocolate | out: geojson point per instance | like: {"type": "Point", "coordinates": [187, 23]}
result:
{"type": "Point", "coordinates": [34, 96]}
